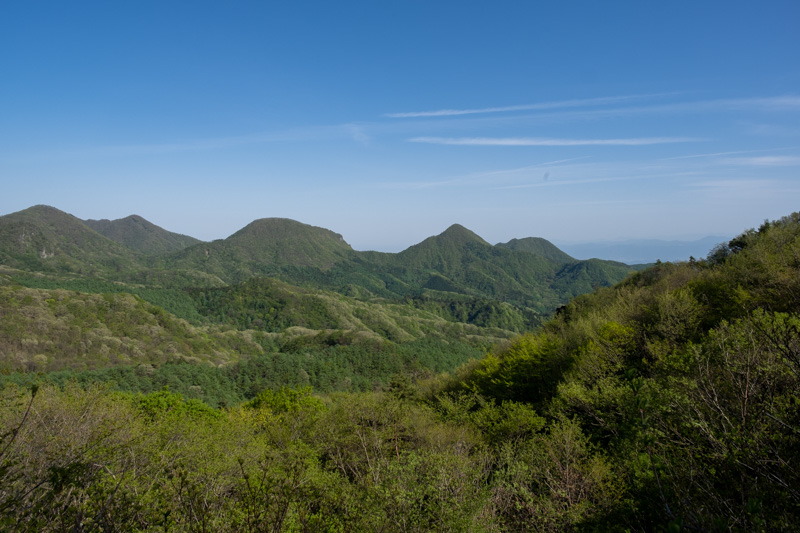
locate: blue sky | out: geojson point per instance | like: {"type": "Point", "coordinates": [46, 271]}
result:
{"type": "Point", "coordinates": [389, 121]}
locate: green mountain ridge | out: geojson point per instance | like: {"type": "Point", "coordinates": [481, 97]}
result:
{"type": "Point", "coordinates": [141, 236]}
{"type": "Point", "coordinates": [530, 273]}
{"type": "Point", "coordinates": [538, 246]}
{"type": "Point", "coordinates": [264, 247]}
{"type": "Point", "coordinates": [42, 238]}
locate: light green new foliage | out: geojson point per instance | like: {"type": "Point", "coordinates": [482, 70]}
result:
{"type": "Point", "coordinates": [526, 370]}
{"type": "Point", "coordinates": [554, 481]}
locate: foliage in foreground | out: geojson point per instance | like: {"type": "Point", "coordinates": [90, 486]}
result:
{"type": "Point", "coordinates": [286, 462]}
{"type": "Point", "coordinates": [687, 377]}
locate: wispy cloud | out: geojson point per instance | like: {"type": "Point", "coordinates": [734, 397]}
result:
{"type": "Point", "coordinates": [583, 102]}
{"type": "Point", "coordinates": [774, 103]}
{"type": "Point", "coordinates": [715, 154]}
{"type": "Point", "coordinates": [749, 184]}
{"type": "Point", "coordinates": [789, 103]}
{"type": "Point", "coordinates": [541, 141]}
{"type": "Point", "coordinates": [763, 161]}
{"type": "Point", "coordinates": [481, 178]}
{"type": "Point", "coordinates": [594, 180]}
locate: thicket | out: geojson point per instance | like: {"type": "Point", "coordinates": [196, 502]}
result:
{"type": "Point", "coordinates": [285, 462]}
{"type": "Point", "coordinates": [683, 383]}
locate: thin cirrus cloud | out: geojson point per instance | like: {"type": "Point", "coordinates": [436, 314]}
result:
{"type": "Point", "coordinates": [763, 161]}
{"type": "Point", "coordinates": [584, 102]}
{"type": "Point", "coordinates": [597, 108]}
{"type": "Point", "coordinates": [542, 141]}
{"type": "Point", "coordinates": [715, 154]}
{"type": "Point", "coordinates": [480, 178]}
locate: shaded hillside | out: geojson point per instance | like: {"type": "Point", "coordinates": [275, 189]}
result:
{"type": "Point", "coordinates": [45, 239]}
{"type": "Point", "coordinates": [141, 236]}
{"type": "Point", "coordinates": [582, 277]}
{"type": "Point", "coordinates": [459, 261]}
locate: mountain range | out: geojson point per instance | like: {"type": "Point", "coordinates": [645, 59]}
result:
{"type": "Point", "coordinates": [530, 273]}
{"type": "Point", "coordinates": [275, 280]}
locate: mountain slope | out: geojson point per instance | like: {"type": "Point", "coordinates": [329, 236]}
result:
{"type": "Point", "coordinates": [530, 274]}
{"type": "Point", "coordinates": [141, 235]}
{"type": "Point", "coordinates": [44, 330]}
{"type": "Point", "coordinates": [42, 238]}
{"type": "Point", "coordinates": [266, 246]}
{"type": "Point", "coordinates": [682, 381]}
{"type": "Point", "coordinates": [270, 305]}
{"type": "Point", "coordinates": [538, 246]}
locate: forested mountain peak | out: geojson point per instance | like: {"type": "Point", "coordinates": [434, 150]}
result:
{"type": "Point", "coordinates": [287, 231]}
{"type": "Point", "coordinates": [47, 239]}
{"type": "Point", "coordinates": [42, 213]}
{"type": "Point", "coordinates": [266, 246]}
{"type": "Point", "coordinates": [458, 234]}
{"type": "Point", "coordinates": [140, 235]}
{"type": "Point", "coordinates": [454, 240]}
{"type": "Point", "coordinates": [538, 246]}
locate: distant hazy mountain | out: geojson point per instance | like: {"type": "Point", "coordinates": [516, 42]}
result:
{"type": "Point", "coordinates": [538, 246]}
{"type": "Point", "coordinates": [634, 252]}
{"type": "Point", "coordinates": [141, 236]}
